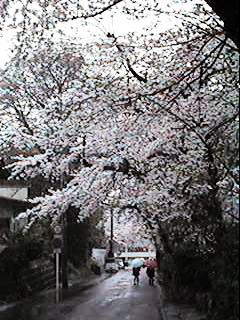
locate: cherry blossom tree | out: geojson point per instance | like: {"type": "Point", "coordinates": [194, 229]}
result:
{"type": "Point", "coordinates": [137, 112]}
{"type": "Point", "coordinates": [48, 13]}
{"type": "Point", "coordinates": [151, 113]}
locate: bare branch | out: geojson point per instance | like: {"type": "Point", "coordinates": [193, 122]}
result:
{"type": "Point", "coordinates": [95, 14]}
{"type": "Point", "coordinates": [221, 124]}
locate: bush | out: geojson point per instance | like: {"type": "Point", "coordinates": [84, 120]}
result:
{"type": "Point", "coordinates": [208, 279]}
{"type": "Point", "coordinates": [225, 275]}
{"type": "Point", "coordinates": [20, 252]}
{"type": "Point", "coordinates": [95, 268]}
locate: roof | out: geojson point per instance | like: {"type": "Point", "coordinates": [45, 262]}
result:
{"type": "Point", "coordinates": [13, 183]}
{"type": "Point", "coordinates": [15, 203]}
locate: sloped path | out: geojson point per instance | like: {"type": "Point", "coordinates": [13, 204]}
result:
{"type": "Point", "coordinates": [118, 299]}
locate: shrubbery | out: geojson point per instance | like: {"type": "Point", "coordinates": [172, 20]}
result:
{"type": "Point", "coordinates": [16, 257]}
{"type": "Point", "coordinates": [209, 279]}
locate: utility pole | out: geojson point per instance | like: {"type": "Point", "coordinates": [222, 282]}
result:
{"type": "Point", "coordinates": [111, 254]}
{"type": "Point", "coordinates": [65, 253]}
{"type": "Point", "coordinates": [57, 249]}
{"type": "Point", "coordinates": [57, 255]}
{"type": "Point", "coordinates": [64, 262]}
{"type": "Point", "coordinates": [112, 204]}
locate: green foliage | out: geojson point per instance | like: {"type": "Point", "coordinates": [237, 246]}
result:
{"type": "Point", "coordinates": [82, 237]}
{"type": "Point", "coordinates": [207, 278]}
{"type": "Point", "coordinates": [21, 250]}
{"type": "Point", "coordinates": [186, 271]}
{"type": "Point", "coordinates": [225, 275]}
{"type": "Point", "coordinates": [95, 267]}
{"type": "Point", "coordinates": [4, 173]}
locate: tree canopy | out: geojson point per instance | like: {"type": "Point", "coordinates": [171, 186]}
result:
{"type": "Point", "coordinates": [148, 112]}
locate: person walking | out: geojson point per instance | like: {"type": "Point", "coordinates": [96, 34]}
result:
{"type": "Point", "coordinates": [136, 273]}
{"type": "Point", "coordinates": [151, 275]}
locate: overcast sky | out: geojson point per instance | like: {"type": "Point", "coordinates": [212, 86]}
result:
{"type": "Point", "coordinates": [118, 24]}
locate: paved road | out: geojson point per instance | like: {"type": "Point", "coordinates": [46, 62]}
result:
{"type": "Point", "coordinates": [117, 299]}
{"type": "Point", "coordinates": [113, 299]}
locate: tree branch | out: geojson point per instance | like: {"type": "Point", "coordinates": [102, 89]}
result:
{"type": "Point", "coordinates": [92, 15]}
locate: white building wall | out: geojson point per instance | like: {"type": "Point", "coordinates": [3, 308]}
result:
{"type": "Point", "coordinates": [99, 255]}
{"type": "Point", "coordinates": [18, 193]}
{"type": "Point", "coordinates": [136, 254]}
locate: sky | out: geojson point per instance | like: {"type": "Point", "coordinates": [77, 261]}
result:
{"type": "Point", "coordinates": [5, 46]}
{"type": "Point", "coordinates": [119, 24]}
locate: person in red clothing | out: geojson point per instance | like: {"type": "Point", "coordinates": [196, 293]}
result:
{"type": "Point", "coordinates": [151, 275]}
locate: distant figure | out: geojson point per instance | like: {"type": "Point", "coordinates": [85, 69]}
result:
{"type": "Point", "coordinates": [151, 275]}
{"type": "Point", "coordinates": [136, 272]}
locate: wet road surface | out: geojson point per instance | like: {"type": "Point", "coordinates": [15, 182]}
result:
{"type": "Point", "coordinates": [115, 298]}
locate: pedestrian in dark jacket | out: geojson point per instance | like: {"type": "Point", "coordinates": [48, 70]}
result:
{"type": "Point", "coordinates": [151, 275]}
{"type": "Point", "coordinates": [136, 272]}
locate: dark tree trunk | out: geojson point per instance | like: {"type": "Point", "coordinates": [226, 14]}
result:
{"type": "Point", "coordinates": [228, 11]}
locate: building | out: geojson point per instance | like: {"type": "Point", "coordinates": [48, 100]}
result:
{"type": "Point", "coordinates": [139, 249]}
{"type": "Point", "coordinates": [13, 200]}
